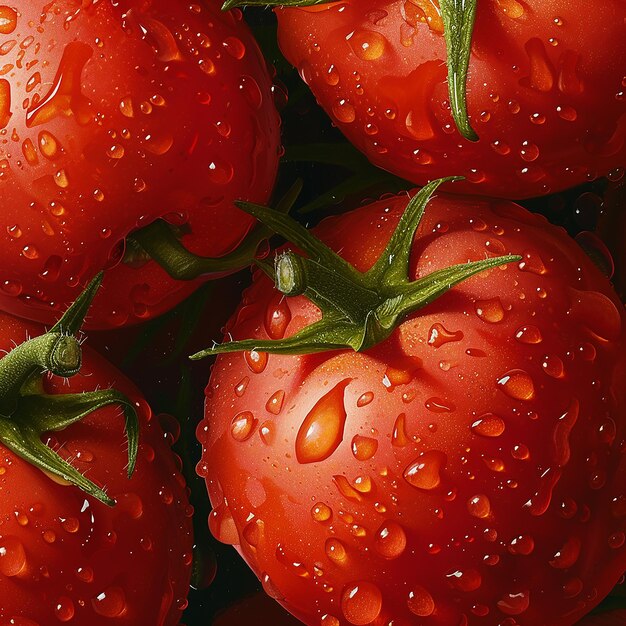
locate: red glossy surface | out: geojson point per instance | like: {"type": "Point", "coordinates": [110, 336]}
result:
{"type": "Point", "coordinates": [469, 470]}
{"type": "Point", "coordinates": [114, 114]}
{"type": "Point", "coordinates": [66, 558]}
{"type": "Point", "coordinates": [545, 89]}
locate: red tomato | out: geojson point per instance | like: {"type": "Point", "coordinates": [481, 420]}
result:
{"type": "Point", "coordinates": [115, 114]}
{"type": "Point", "coordinates": [65, 557]}
{"type": "Point", "coordinates": [545, 88]}
{"type": "Point", "coordinates": [467, 470]}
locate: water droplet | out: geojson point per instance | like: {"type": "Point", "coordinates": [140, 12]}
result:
{"type": "Point", "coordinates": [64, 609]}
{"type": "Point", "coordinates": [335, 550]}
{"type": "Point", "coordinates": [361, 603]}
{"type": "Point", "coordinates": [466, 581]}
{"type": "Point", "coordinates": [220, 172]}
{"type": "Point", "coordinates": [515, 603]}
{"type": "Point", "coordinates": [490, 311]}
{"type": "Point", "coordinates": [562, 432]}
{"type": "Point", "coordinates": [65, 96]}
{"type": "Point", "coordinates": [8, 20]}
{"type": "Point", "coordinates": [253, 532]}
{"type": "Point", "coordinates": [329, 620]}
{"type": "Point", "coordinates": [277, 317]}
{"type": "Point", "coordinates": [438, 405]}
{"type": "Point", "coordinates": [321, 512]}
{"type": "Point", "coordinates": [568, 554]}
{"type": "Point", "coordinates": [523, 545]}
{"type": "Point", "coordinates": [256, 361]}
{"type": "Point", "coordinates": [390, 540]}
{"type": "Point", "coordinates": [367, 45]}
{"type": "Point", "coordinates": [70, 525]}
{"type": "Point", "coordinates": [222, 525]}
{"type": "Point", "coordinates": [596, 312]}
{"type": "Point", "coordinates": [424, 473]}
{"type": "Point", "coordinates": [399, 436]}
{"type": "Point", "coordinates": [438, 335]}
{"type": "Point", "coordinates": [553, 366]}
{"type": "Point", "coordinates": [48, 145]}
{"type": "Point", "coordinates": [540, 502]}
{"type": "Point", "coordinates": [479, 506]}
{"type": "Point", "coordinates": [364, 448]}
{"type": "Point", "coordinates": [235, 47]}
{"type": "Point", "coordinates": [322, 430]}
{"type": "Point", "coordinates": [488, 425]}
{"type": "Point", "coordinates": [242, 426]}
{"type": "Point", "coordinates": [365, 399]}
{"type": "Point", "coordinates": [420, 602]}
{"type": "Point", "coordinates": [12, 556]}
{"type": "Point", "coordinates": [529, 334]}
{"type": "Point", "coordinates": [275, 404]}
{"type": "Point", "coordinates": [517, 384]}
{"type": "Point", "coordinates": [110, 603]}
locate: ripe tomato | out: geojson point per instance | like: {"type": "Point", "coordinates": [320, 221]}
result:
{"type": "Point", "coordinates": [65, 557]}
{"type": "Point", "coordinates": [467, 470]}
{"type": "Point", "coordinates": [114, 114]}
{"type": "Point", "coordinates": [545, 88]}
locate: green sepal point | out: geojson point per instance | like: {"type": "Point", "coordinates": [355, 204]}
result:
{"type": "Point", "coordinates": [27, 412]}
{"type": "Point", "coordinates": [359, 309]}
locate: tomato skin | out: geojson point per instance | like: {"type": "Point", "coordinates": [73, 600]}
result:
{"type": "Point", "coordinates": [163, 110]}
{"type": "Point", "coordinates": [314, 496]}
{"type": "Point", "coordinates": [545, 90]}
{"type": "Point", "coordinates": [72, 559]}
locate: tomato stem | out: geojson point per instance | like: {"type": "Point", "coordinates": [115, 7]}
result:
{"type": "Point", "coordinates": [360, 309]}
{"type": "Point", "coordinates": [162, 245]}
{"type": "Point", "coordinates": [27, 413]}
{"type": "Point", "coordinates": [458, 20]}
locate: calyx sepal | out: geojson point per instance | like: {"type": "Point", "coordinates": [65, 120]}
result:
{"type": "Point", "coordinates": [27, 412]}
{"type": "Point", "coordinates": [359, 309]}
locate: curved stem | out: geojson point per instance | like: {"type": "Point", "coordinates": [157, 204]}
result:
{"type": "Point", "coordinates": [162, 245]}
{"type": "Point", "coordinates": [26, 412]}
{"type": "Point", "coordinates": [359, 309]}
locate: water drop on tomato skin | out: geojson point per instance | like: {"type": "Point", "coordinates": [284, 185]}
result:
{"type": "Point", "coordinates": [110, 603]}
{"type": "Point", "coordinates": [424, 472]}
{"type": "Point", "coordinates": [488, 425]}
{"type": "Point", "coordinates": [420, 602]}
{"type": "Point", "coordinates": [390, 540]}
{"type": "Point", "coordinates": [322, 430]}
{"type": "Point", "coordinates": [335, 550]}
{"type": "Point", "coordinates": [12, 556]}
{"type": "Point", "coordinates": [364, 448]}
{"type": "Point", "coordinates": [256, 361]}
{"type": "Point", "coordinates": [361, 603]}
{"type": "Point", "coordinates": [64, 609]}
{"type": "Point", "coordinates": [490, 311]}
{"type": "Point", "coordinates": [517, 384]}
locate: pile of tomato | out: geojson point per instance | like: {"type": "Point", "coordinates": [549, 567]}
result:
{"type": "Point", "coordinates": [390, 236]}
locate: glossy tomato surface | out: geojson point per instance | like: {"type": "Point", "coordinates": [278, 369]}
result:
{"type": "Point", "coordinates": [114, 114]}
{"type": "Point", "coordinates": [66, 558]}
{"type": "Point", "coordinates": [545, 89]}
{"type": "Point", "coordinates": [468, 470]}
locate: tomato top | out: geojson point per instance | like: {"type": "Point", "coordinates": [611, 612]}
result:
{"type": "Point", "coordinates": [545, 88]}
{"type": "Point", "coordinates": [65, 557]}
{"type": "Point", "coordinates": [114, 115]}
{"type": "Point", "coordinates": [468, 469]}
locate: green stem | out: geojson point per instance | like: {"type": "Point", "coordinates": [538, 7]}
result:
{"type": "Point", "coordinates": [161, 244]}
{"type": "Point", "coordinates": [27, 413]}
{"type": "Point", "coordinates": [458, 20]}
{"type": "Point", "coordinates": [359, 309]}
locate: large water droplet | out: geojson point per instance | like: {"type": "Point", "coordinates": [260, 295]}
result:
{"type": "Point", "coordinates": [390, 540]}
{"type": "Point", "coordinates": [424, 473]}
{"type": "Point", "coordinates": [322, 430]}
{"type": "Point", "coordinates": [110, 603]}
{"type": "Point", "coordinates": [361, 603]}
{"type": "Point", "coordinates": [517, 384]}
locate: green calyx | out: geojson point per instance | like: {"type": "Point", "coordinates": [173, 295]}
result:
{"type": "Point", "coordinates": [458, 20]}
{"type": "Point", "coordinates": [360, 309]}
{"type": "Point", "coordinates": [160, 242]}
{"type": "Point", "coordinates": [27, 412]}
